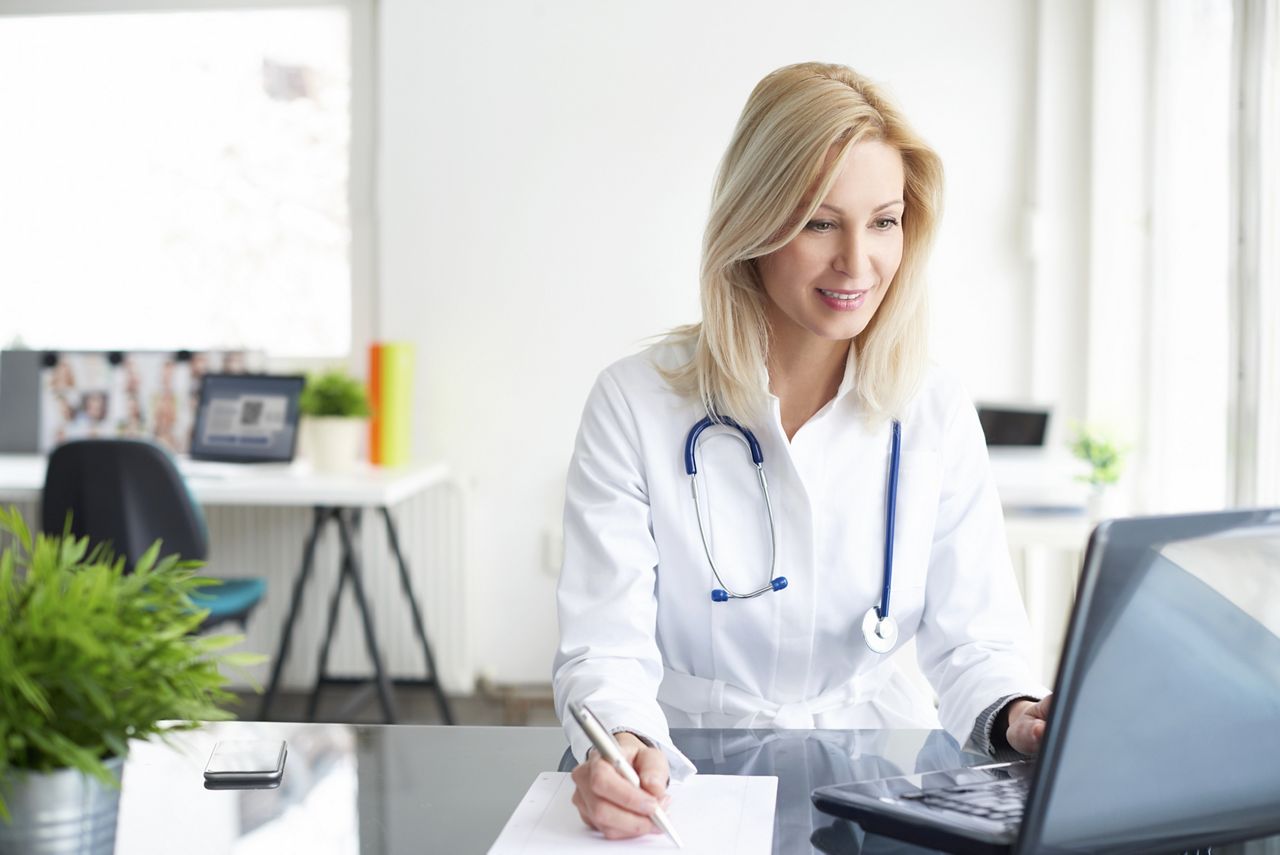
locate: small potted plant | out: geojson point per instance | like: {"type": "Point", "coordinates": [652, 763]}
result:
{"type": "Point", "coordinates": [336, 408]}
{"type": "Point", "coordinates": [92, 657]}
{"type": "Point", "coordinates": [1105, 459]}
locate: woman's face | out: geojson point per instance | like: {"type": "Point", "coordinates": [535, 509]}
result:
{"type": "Point", "coordinates": [830, 279]}
{"type": "Point", "coordinates": [95, 406]}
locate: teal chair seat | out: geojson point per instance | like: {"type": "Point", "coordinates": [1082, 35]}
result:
{"type": "Point", "coordinates": [231, 600]}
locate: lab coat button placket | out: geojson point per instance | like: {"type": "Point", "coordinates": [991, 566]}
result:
{"type": "Point", "coordinates": [794, 653]}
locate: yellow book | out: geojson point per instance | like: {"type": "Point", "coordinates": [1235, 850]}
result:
{"type": "Point", "coordinates": [395, 389]}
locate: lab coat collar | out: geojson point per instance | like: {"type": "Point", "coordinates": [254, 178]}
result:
{"type": "Point", "coordinates": [846, 382]}
{"type": "Point", "coordinates": [850, 372]}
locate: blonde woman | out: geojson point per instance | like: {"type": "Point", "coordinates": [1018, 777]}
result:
{"type": "Point", "coordinates": [700, 589]}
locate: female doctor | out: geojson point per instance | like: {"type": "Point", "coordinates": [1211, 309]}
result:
{"type": "Point", "coordinates": [762, 507]}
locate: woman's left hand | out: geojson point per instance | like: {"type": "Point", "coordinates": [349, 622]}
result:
{"type": "Point", "coordinates": [1026, 724]}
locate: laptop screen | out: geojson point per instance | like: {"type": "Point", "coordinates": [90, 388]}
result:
{"type": "Point", "coordinates": [1171, 708]}
{"type": "Point", "coordinates": [247, 418]}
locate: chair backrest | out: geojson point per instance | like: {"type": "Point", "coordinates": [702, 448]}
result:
{"type": "Point", "coordinates": [124, 491]}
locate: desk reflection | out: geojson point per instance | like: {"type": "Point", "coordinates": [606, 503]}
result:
{"type": "Point", "coordinates": [805, 760]}
{"type": "Point", "coordinates": [402, 790]}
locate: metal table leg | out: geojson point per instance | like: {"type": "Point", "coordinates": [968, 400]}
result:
{"type": "Point", "coordinates": [282, 650]}
{"type": "Point", "coordinates": [353, 565]}
{"type": "Point", "coordinates": [350, 570]}
{"type": "Point", "coordinates": [433, 678]}
{"type": "Point", "coordinates": [330, 629]}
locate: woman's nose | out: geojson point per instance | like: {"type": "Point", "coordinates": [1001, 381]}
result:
{"type": "Point", "coordinates": [853, 258]}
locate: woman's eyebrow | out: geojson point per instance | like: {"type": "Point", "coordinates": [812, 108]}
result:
{"type": "Point", "coordinates": [838, 210]}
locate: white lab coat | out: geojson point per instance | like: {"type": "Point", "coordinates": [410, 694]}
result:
{"type": "Point", "coordinates": [644, 645]}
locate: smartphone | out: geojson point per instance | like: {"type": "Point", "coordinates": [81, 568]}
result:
{"type": "Point", "coordinates": [254, 764]}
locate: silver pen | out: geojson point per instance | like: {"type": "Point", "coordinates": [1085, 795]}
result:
{"type": "Point", "coordinates": [611, 751]}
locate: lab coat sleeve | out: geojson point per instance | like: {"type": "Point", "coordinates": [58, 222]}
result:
{"type": "Point", "coordinates": [973, 638]}
{"type": "Point", "coordinates": [608, 655]}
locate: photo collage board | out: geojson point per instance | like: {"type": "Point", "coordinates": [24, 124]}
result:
{"type": "Point", "coordinates": [141, 394]}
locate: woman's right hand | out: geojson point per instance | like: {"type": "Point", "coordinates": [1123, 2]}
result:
{"type": "Point", "coordinates": [609, 803]}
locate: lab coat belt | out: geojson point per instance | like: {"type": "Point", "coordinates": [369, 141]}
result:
{"type": "Point", "coordinates": [696, 695]}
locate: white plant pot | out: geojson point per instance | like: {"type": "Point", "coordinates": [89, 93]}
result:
{"type": "Point", "coordinates": [60, 813]}
{"type": "Point", "coordinates": [333, 443]}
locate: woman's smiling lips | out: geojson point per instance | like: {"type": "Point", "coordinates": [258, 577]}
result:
{"type": "Point", "coordinates": [842, 301]}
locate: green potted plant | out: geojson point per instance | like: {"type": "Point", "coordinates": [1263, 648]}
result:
{"type": "Point", "coordinates": [336, 408]}
{"type": "Point", "coordinates": [92, 657]}
{"type": "Point", "coordinates": [1105, 460]}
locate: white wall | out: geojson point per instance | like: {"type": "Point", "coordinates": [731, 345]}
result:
{"type": "Point", "coordinates": [544, 172]}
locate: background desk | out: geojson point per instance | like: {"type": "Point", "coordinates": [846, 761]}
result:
{"type": "Point", "coordinates": [380, 790]}
{"type": "Point", "coordinates": [241, 485]}
{"type": "Point", "coordinates": [259, 522]}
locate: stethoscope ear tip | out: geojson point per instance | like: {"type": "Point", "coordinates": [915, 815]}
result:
{"type": "Point", "coordinates": [720, 595]}
{"type": "Point", "coordinates": [779, 583]}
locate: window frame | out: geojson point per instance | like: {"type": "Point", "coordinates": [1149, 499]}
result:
{"type": "Point", "coordinates": [1255, 418]}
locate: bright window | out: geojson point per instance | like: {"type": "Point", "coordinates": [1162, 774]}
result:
{"type": "Point", "coordinates": [177, 180]}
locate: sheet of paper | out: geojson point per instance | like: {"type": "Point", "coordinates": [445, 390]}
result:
{"type": "Point", "coordinates": [713, 814]}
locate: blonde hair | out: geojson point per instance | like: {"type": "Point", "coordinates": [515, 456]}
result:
{"type": "Point", "coordinates": [778, 155]}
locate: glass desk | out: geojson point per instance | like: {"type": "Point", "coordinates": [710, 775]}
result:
{"type": "Point", "coordinates": [386, 790]}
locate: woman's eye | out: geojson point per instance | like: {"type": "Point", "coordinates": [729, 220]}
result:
{"type": "Point", "coordinates": [886, 223]}
{"type": "Point", "coordinates": [820, 226]}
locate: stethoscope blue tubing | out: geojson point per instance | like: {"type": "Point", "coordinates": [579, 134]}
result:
{"type": "Point", "coordinates": [690, 443]}
{"type": "Point", "coordinates": [890, 515]}
{"type": "Point", "coordinates": [757, 457]}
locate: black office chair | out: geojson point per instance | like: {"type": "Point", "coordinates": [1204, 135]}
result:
{"type": "Point", "coordinates": [129, 494]}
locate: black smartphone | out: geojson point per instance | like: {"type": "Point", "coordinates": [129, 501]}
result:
{"type": "Point", "coordinates": [254, 764]}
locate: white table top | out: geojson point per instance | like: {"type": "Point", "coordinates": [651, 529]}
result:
{"type": "Point", "coordinates": [22, 478]}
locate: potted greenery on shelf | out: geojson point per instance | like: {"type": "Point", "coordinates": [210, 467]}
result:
{"type": "Point", "coordinates": [1105, 459]}
{"type": "Point", "coordinates": [336, 408]}
{"type": "Point", "coordinates": [91, 657]}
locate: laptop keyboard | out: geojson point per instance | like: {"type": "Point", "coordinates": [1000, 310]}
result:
{"type": "Point", "coordinates": [998, 801]}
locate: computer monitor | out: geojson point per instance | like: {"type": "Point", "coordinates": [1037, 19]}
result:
{"type": "Point", "coordinates": [247, 418]}
{"type": "Point", "coordinates": [1007, 426]}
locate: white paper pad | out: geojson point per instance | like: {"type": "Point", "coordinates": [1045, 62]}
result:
{"type": "Point", "coordinates": [713, 814]}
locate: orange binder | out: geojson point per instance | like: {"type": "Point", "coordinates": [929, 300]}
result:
{"type": "Point", "coordinates": [375, 403]}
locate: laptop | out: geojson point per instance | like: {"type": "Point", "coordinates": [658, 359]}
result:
{"type": "Point", "coordinates": [1164, 734]}
{"type": "Point", "coordinates": [247, 418]}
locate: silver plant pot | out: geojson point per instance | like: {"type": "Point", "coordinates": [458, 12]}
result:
{"type": "Point", "coordinates": [60, 813]}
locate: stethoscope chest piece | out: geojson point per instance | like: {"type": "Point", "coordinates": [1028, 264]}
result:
{"type": "Point", "coordinates": [881, 635]}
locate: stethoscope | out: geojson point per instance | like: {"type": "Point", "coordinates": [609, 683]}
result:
{"type": "Point", "coordinates": [878, 628]}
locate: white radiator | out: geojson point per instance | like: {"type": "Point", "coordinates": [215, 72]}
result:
{"type": "Point", "coordinates": [268, 542]}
